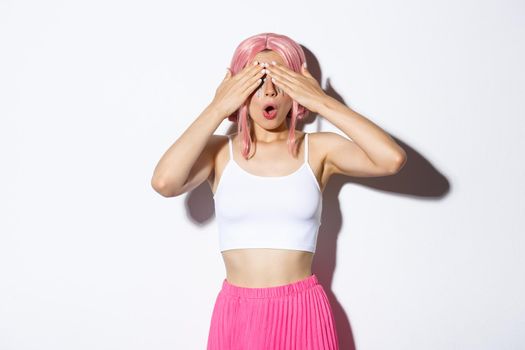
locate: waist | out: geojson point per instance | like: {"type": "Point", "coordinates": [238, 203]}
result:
{"type": "Point", "coordinates": [266, 267]}
{"type": "Point", "coordinates": [280, 290]}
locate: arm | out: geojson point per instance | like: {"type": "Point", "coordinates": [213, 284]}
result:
{"type": "Point", "coordinates": [189, 161]}
{"type": "Point", "coordinates": [372, 152]}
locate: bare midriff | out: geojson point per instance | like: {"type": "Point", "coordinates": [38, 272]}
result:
{"type": "Point", "coordinates": [266, 267]}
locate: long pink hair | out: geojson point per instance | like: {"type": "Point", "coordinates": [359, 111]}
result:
{"type": "Point", "coordinates": [293, 55]}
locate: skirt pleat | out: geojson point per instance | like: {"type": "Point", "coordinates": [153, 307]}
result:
{"type": "Point", "coordinates": [288, 317]}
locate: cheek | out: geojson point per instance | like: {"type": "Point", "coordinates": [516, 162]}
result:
{"type": "Point", "coordinates": [289, 103]}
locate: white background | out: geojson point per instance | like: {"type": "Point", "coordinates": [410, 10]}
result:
{"type": "Point", "coordinates": [93, 92]}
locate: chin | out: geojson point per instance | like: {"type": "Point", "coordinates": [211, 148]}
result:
{"type": "Point", "coordinates": [273, 123]}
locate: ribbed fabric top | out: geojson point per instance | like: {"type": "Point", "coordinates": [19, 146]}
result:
{"type": "Point", "coordinates": [282, 212]}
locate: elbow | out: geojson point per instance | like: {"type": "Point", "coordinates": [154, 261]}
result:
{"type": "Point", "coordinates": [161, 188]}
{"type": "Point", "coordinates": [398, 163]}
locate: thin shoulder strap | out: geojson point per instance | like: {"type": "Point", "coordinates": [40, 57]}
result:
{"type": "Point", "coordinates": [306, 148]}
{"type": "Point", "coordinates": [230, 146]}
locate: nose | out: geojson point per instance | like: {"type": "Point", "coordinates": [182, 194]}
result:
{"type": "Point", "coordinates": [269, 87]}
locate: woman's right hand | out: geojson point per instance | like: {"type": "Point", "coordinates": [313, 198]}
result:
{"type": "Point", "coordinates": [233, 91]}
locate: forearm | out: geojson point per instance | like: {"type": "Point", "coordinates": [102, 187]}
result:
{"type": "Point", "coordinates": [176, 163]}
{"type": "Point", "coordinates": [377, 144]}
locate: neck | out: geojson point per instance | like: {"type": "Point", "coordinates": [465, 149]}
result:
{"type": "Point", "coordinates": [263, 135]}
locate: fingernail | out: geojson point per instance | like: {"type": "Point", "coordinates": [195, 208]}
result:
{"type": "Point", "coordinates": [274, 63]}
{"type": "Point", "coordinates": [304, 65]}
{"type": "Point", "coordinates": [255, 63]}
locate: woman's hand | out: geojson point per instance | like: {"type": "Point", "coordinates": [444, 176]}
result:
{"type": "Point", "coordinates": [302, 87]}
{"type": "Point", "coordinates": [233, 91]}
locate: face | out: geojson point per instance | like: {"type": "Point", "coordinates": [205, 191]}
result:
{"type": "Point", "coordinates": [266, 93]}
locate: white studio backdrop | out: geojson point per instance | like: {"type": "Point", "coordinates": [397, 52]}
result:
{"type": "Point", "coordinates": [92, 93]}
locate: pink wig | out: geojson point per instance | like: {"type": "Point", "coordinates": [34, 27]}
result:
{"type": "Point", "coordinates": [294, 57]}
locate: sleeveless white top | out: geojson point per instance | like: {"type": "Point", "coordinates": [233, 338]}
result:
{"type": "Point", "coordinates": [255, 211]}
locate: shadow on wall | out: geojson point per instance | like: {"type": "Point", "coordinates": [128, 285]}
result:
{"type": "Point", "coordinates": [417, 178]}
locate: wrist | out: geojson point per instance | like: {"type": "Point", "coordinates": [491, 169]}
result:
{"type": "Point", "coordinates": [325, 103]}
{"type": "Point", "coordinates": [215, 113]}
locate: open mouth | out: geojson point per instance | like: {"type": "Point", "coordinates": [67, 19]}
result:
{"type": "Point", "coordinates": [270, 111]}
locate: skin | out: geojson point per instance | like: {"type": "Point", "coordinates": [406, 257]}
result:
{"type": "Point", "coordinates": [268, 131]}
{"type": "Point", "coordinates": [263, 267]}
{"type": "Point", "coordinates": [199, 155]}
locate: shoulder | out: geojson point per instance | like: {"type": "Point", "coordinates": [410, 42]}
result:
{"type": "Point", "coordinates": [232, 137]}
{"type": "Point", "coordinates": [321, 142]}
{"type": "Point", "coordinates": [218, 143]}
{"type": "Point", "coordinates": [341, 155]}
{"type": "Point", "coordinates": [330, 147]}
{"type": "Point", "coordinates": [215, 142]}
{"type": "Point", "coordinates": [325, 140]}
{"type": "Point", "coordinates": [330, 143]}
{"type": "Point", "coordinates": [216, 152]}
{"type": "Point", "coordinates": [215, 147]}
{"type": "Point", "coordinates": [220, 140]}
{"type": "Point", "coordinates": [319, 135]}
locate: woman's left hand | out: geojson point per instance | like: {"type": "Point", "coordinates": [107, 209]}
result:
{"type": "Point", "coordinates": [302, 87]}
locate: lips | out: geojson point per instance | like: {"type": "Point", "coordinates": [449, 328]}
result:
{"type": "Point", "coordinates": [269, 110]}
{"type": "Point", "coordinates": [266, 106]}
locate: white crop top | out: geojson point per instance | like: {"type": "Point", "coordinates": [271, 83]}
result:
{"type": "Point", "coordinates": [256, 211]}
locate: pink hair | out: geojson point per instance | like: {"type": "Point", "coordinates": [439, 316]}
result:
{"type": "Point", "coordinates": [292, 54]}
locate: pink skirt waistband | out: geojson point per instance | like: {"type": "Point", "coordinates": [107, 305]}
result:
{"type": "Point", "coordinates": [268, 292]}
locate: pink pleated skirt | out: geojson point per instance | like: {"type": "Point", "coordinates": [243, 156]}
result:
{"type": "Point", "coordinates": [291, 316]}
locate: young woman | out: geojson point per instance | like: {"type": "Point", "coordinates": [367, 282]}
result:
{"type": "Point", "coordinates": [267, 181]}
